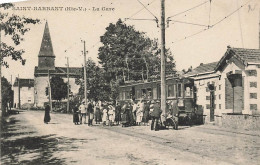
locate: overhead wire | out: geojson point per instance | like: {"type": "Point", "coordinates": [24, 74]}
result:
{"type": "Point", "coordinates": [241, 32]}
{"type": "Point", "coordinates": [141, 9]}
{"type": "Point", "coordinates": [147, 9]}
{"type": "Point", "coordinates": [190, 23]}
{"type": "Point", "coordinates": [189, 9]}
{"type": "Point", "coordinates": [209, 10]}
{"type": "Point", "coordinates": [210, 27]}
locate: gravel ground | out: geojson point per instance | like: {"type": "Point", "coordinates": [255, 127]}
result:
{"type": "Point", "coordinates": [25, 139]}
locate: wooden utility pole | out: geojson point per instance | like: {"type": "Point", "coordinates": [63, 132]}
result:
{"type": "Point", "coordinates": [1, 56]}
{"type": "Point", "coordinates": [85, 73]}
{"type": "Point", "coordinates": [163, 79]}
{"type": "Point", "coordinates": [19, 99]}
{"type": "Point", "coordinates": [49, 83]}
{"type": "Point", "coordinates": [68, 86]}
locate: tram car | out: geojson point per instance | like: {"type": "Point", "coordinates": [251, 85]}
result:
{"type": "Point", "coordinates": [179, 90]}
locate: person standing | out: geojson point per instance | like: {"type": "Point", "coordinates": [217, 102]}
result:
{"type": "Point", "coordinates": [139, 112]}
{"type": "Point", "coordinates": [97, 113]}
{"type": "Point", "coordinates": [47, 117]}
{"type": "Point", "coordinates": [155, 116]}
{"type": "Point", "coordinates": [105, 116]}
{"type": "Point", "coordinates": [90, 111]}
{"type": "Point", "coordinates": [111, 115]}
{"type": "Point", "coordinates": [82, 109]}
{"type": "Point", "coordinates": [146, 113]}
{"type": "Point", "coordinates": [125, 114]}
{"type": "Point", "coordinates": [76, 115]}
{"type": "Point", "coordinates": [133, 109]}
{"type": "Point", "coordinates": [118, 114]}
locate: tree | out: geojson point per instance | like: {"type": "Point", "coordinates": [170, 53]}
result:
{"type": "Point", "coordinates": [97, 87]}
{"type": "Point", "coordinates": [7, 94]}
{"type": "Point", "coordinates": [15, 27]}
{"type": "Point", "coordinates": [58, 88]}
{"type": "Point", "coordinates": [128, 54]}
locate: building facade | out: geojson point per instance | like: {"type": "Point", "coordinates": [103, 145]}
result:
{"type": "Point", "coordinates": [229, 86]}
{"type": "Point", "coordinates": [23, 92]}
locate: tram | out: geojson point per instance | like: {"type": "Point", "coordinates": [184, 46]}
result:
{"type": "Point", "coordinates": [179, 90]}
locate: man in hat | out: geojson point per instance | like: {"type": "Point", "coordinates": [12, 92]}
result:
{"type": "Point", "coordinates": [155, 115]}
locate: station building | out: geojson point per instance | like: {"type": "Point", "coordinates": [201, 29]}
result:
{"type": "Point", "coordinates": [230, 85]}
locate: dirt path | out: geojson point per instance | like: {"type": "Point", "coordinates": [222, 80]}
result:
{"type": "Point", "coordinates": [27, 140]}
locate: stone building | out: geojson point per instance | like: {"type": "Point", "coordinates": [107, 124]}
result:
{"type": "Point", "coordinates": [25, 92]}
{"type": "Point", "coordinates": [231, 85]}
{"type": "Point", "coordinates": [46, 67]}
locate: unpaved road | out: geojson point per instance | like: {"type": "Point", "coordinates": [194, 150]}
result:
{"type": "Point", "coordinates": [25, 139]}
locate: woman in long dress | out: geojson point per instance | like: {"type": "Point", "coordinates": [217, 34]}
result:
{"type": "Point", "coordinates": [140, 112]}
{"type": "Point", "coordinates": [104, 117]}
{"type": "Point", "coordinates": [97, 114]}
{"type": "Point", "coordinates": [76, 115]}
{"type": "Point", "coordinates": [126, 115]}
{"type": "Point", "coordinates": [47, 117]}
{"type": "Point", "coordinates": [111, 115]}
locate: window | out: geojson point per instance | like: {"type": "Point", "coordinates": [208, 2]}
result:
{"type": "Point", "coordinates": [253, 106]}
{"type": "Point", "coordinates": [149, 93]}
{"type": "Point", "coordinates": [253, 84]}
{"type": "Point", "coordinates": [252, 73]}
{"type": "Point", "coordinates": [207, 97]}
{"type": "Point", "coordinates": [123, 95]}
{"type": "Point", "coordinates": [219, 97]}
{"type": "Point", "coordinates": [138, 93]}
{"type": "Point", "coordinates": [253, 95]}
{"type": "Point", "coordinates": [143, 93]}
{"type": "Point", "coordinates": [170, 90]}
{"type": "Point", "coordinates": [219, 87]}
{"type": "Point", "coordinates": [179, 93]}
{"type": "Point", "coordinates": [207, 106]}
{"type": "Point", "coordinates": [155, 93]}
{"type": "Point", "coordinates": [219, 106]}
{"type": "Point", "coordinates": [127, 95]}
{"type": "Point", "coordinates": [188, 91]}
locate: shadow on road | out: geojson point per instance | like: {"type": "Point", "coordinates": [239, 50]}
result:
{"type": "Point", "coordinates": [19, 146]}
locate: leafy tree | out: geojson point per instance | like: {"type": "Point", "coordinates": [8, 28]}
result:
{"type": "Point", "coordinates": [58, 88]}
{"type": "Point", "coordinates": [128, 54]}
{"type": "Point", "coordinates": [7, 94]}
{"type": "Point", "coordinates": [97, 87]}
{"type": "Point", "coordinates": [15, 27]}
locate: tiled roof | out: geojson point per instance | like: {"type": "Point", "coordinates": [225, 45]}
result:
{"type": "Point", "coordinates": [24, 82]}
{"type": "Point", "coordinates": [73, 71]}
{"type": "Point", "coordinates": [202, 69]}
{"type": "Point", "coordinates": [247, 55]}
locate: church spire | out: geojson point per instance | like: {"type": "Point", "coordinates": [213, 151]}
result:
{"type": "Point", "coordinates": [46, 55]}
{"type": "Point", "coordinates": [46, 46]}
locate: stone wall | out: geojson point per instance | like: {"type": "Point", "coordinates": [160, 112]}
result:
{"type": "Point", "coordinates": [243, 122]}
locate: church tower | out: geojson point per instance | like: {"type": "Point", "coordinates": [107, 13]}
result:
{"type": "Point", "coordinates": [46, 57]}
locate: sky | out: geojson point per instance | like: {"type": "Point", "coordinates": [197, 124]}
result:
{"type": "Point", "coordinates": [69, 28]}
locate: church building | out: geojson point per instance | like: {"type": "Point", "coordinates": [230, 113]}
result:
{"type": "Point", "coordinates": [46, 67]}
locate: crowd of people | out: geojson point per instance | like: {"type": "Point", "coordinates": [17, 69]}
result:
{"type": "Point", "coordinates": [132, 113]}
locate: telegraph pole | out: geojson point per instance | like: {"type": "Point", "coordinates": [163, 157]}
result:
{"type": "Point", "coordinates": [68, 85]}
{"type": "Point", "coordinates": [85, 73]}
{"type": "Point", "coordinates": [49, 83]}
{"type": "Point", "coordinates": [1, 58]}
{"type": "Point", "coordinates": [163, 79]}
